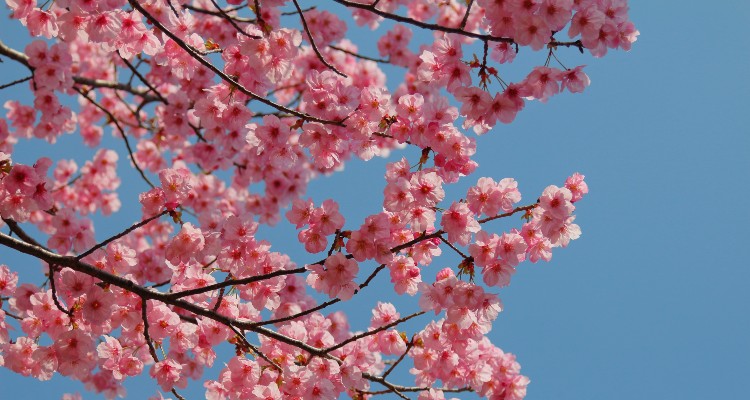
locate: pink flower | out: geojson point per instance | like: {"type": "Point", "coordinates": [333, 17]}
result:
{"type": "Point", "coordinates": [168, 374]}
{"type": "Point", "coordinates": [98, 306]}
{"type": "Point", "coordinates": [176, 184]}
{"type": "Point", "coordinates": [8, 281]}
{"type": "Point", "coordinates": [459, 223]}
{"type": "Point", "coordinates": [186, 244]}
{"type": "Point", "coordinates": [335, 277]}
{"type": "Point", "coordinates": [575, 80]}
{"type": "Point", "coordinates": [578, 188]}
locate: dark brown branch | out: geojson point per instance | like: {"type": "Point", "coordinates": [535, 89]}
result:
{"type": "Point", "coordinates": [235, 282]}
{"type": "Point", "coordinates": [304, 10]}
{"type": "Point", "coordinates": [146, 335]}
{"type": "Point", "coordinates": [148, 294]}
{"type": "Point", "coordinates": [226, 78]}
{"type": "Point", "coordinates": [142, 78]}
{"type": "Point", "coordinates": [219, 14]}
{"type": "Point", "coordinates": [121, 234]}
{"type": "Point", "coordinates": [229, 19]}
{"type": "Point", "coordinates": [54, 292]}
{"type": "Point", "coordinates": [416, 389]}
{"type": "Point", "coordinates": [15, 228]}
{"type": "Point", "coordinates": [424, 25]}
{"type": "Point", "coordinates": [16, 82]}
{"type": "Point", "coordinates": [453, 247]}
{"type": "Point", "coordinates": [312, 41]}
{"type": "Point", "coordinates": [24, 59]}
{"type": "Point", "coordinates": [372, 332]}
{"type": "Point", "coordinates": [466, 16]}
{"type": "Point", "coordinates": [122, 133]}
{"type": "Point", "coordinates": [321, 305]}
{"type": "Point", "coordinates": [351, 53]}
{"type": "Point", "coordinates": [395, 364]}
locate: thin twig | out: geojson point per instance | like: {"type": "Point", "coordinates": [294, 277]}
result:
{"type": "Point", "coordinates": [218, 14]}
{"type": "Point", "coordinates": [231, 21]}
{"type": "Point", "coordinates": [312, 41]}
{"type": "Point", "coordinates": [122, 133]}
{"type": "Point", "coordinates": [393, 366]}
{"type": "Point", "coordinates": [453, 247]}
{"type": "Point", "coordinates": [254, 348]}
{"type": "Point", "coordinates": [235, 282]}
{"type": "Point", "coordinates": [16, 82]}
{"type": "Point", "coordinates": [142, 78]}
{"type": "Point", "coordinates": [351, 53]}
{"type": "Point", "coordinates": [198, 57]}
{"type": "Point", "coordinates": [54, 292]}
{"type": "Point", "coordinates": [372, 332]}
{"type": "Point", "coordinates": [321, 305]}
{"type": "Point", "coordinates": [121, 234]}
{"type": "Point", "coordinates": [466, 16]}
{"type": "Point", "coordinates": [146, 335]}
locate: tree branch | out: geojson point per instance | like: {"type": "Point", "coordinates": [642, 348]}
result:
{"type": "Point", "coordinates": [122, 133]}
{"type": "Point", "coordinates": [121, 234]}
{"type": "Point", "coordinates": [312, 41]}
{"type": "Point", "coordinates": [198, 57]}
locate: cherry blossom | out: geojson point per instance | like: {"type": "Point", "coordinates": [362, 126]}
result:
{"type": "Point", "coordinates": [221, 115]}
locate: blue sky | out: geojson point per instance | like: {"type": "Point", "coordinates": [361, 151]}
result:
{"type": "Point", "coordinates": [651, 302]}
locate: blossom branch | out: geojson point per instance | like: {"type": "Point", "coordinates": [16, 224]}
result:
{"type": "Point", "coordinates": [372, 332]}
{"type": "Point", "coordinates": [321, 305]}
{"type": "Point", "coordinates": [231, 21]}
{"type": "Point", "coordinates": [24, 60]}
{"type": "Point", "coordinates": [52, 287]}
{"type": "Point", "coordinates": [115, 121]}
{"type": "Point", "coordinates": [312, 41]}
{"type": "Point", "coordinates": [198, 57]}
{"type": "Point", "coordinates": [401, 358]}
{"type": "Point", "coordinates": [146, 335]}
{"type": "Point", "coordinates": [121, 234]}
{"type": "Point", "coordinates": [148, 294]}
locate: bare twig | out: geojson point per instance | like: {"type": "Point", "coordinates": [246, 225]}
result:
{"type": "Point", "coordinates": [142, 78]}
{"type": "Point", "coordinates": [54, 291]}
{"type": "Point", "coordinates": [351, 53]}
{"type": "Point", "coordinates": [235, 282]}
{"type": "Point", "coordinates": [372, 332]}
{"type": "Point", "coordinates": [393, 366]}
{"type": "Point", "coordinates": [115, 121]}
{"type": "Point", "coordinates": [466, 16]}
{"type": "Point", "coordinates": [121, 234]}
{"type": "Point", "coordinates": [312, 41]}
{"type": "Point", "coordinates": [146, 335]}
{"type": "Point", "coordinates": [16, 82]}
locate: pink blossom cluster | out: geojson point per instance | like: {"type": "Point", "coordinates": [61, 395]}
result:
{"type": "Point", "coordinates": [23, 188]}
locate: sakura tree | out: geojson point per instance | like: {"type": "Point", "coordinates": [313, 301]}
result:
{"type": "Point", "coordinates": [227, 111]}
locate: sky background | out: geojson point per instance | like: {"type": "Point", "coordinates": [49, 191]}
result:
{"type": "Point", "coordinates": [652, 301]}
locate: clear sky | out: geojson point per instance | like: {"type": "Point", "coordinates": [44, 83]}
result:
{"type": "Point", "coordinates": [652, 301]}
